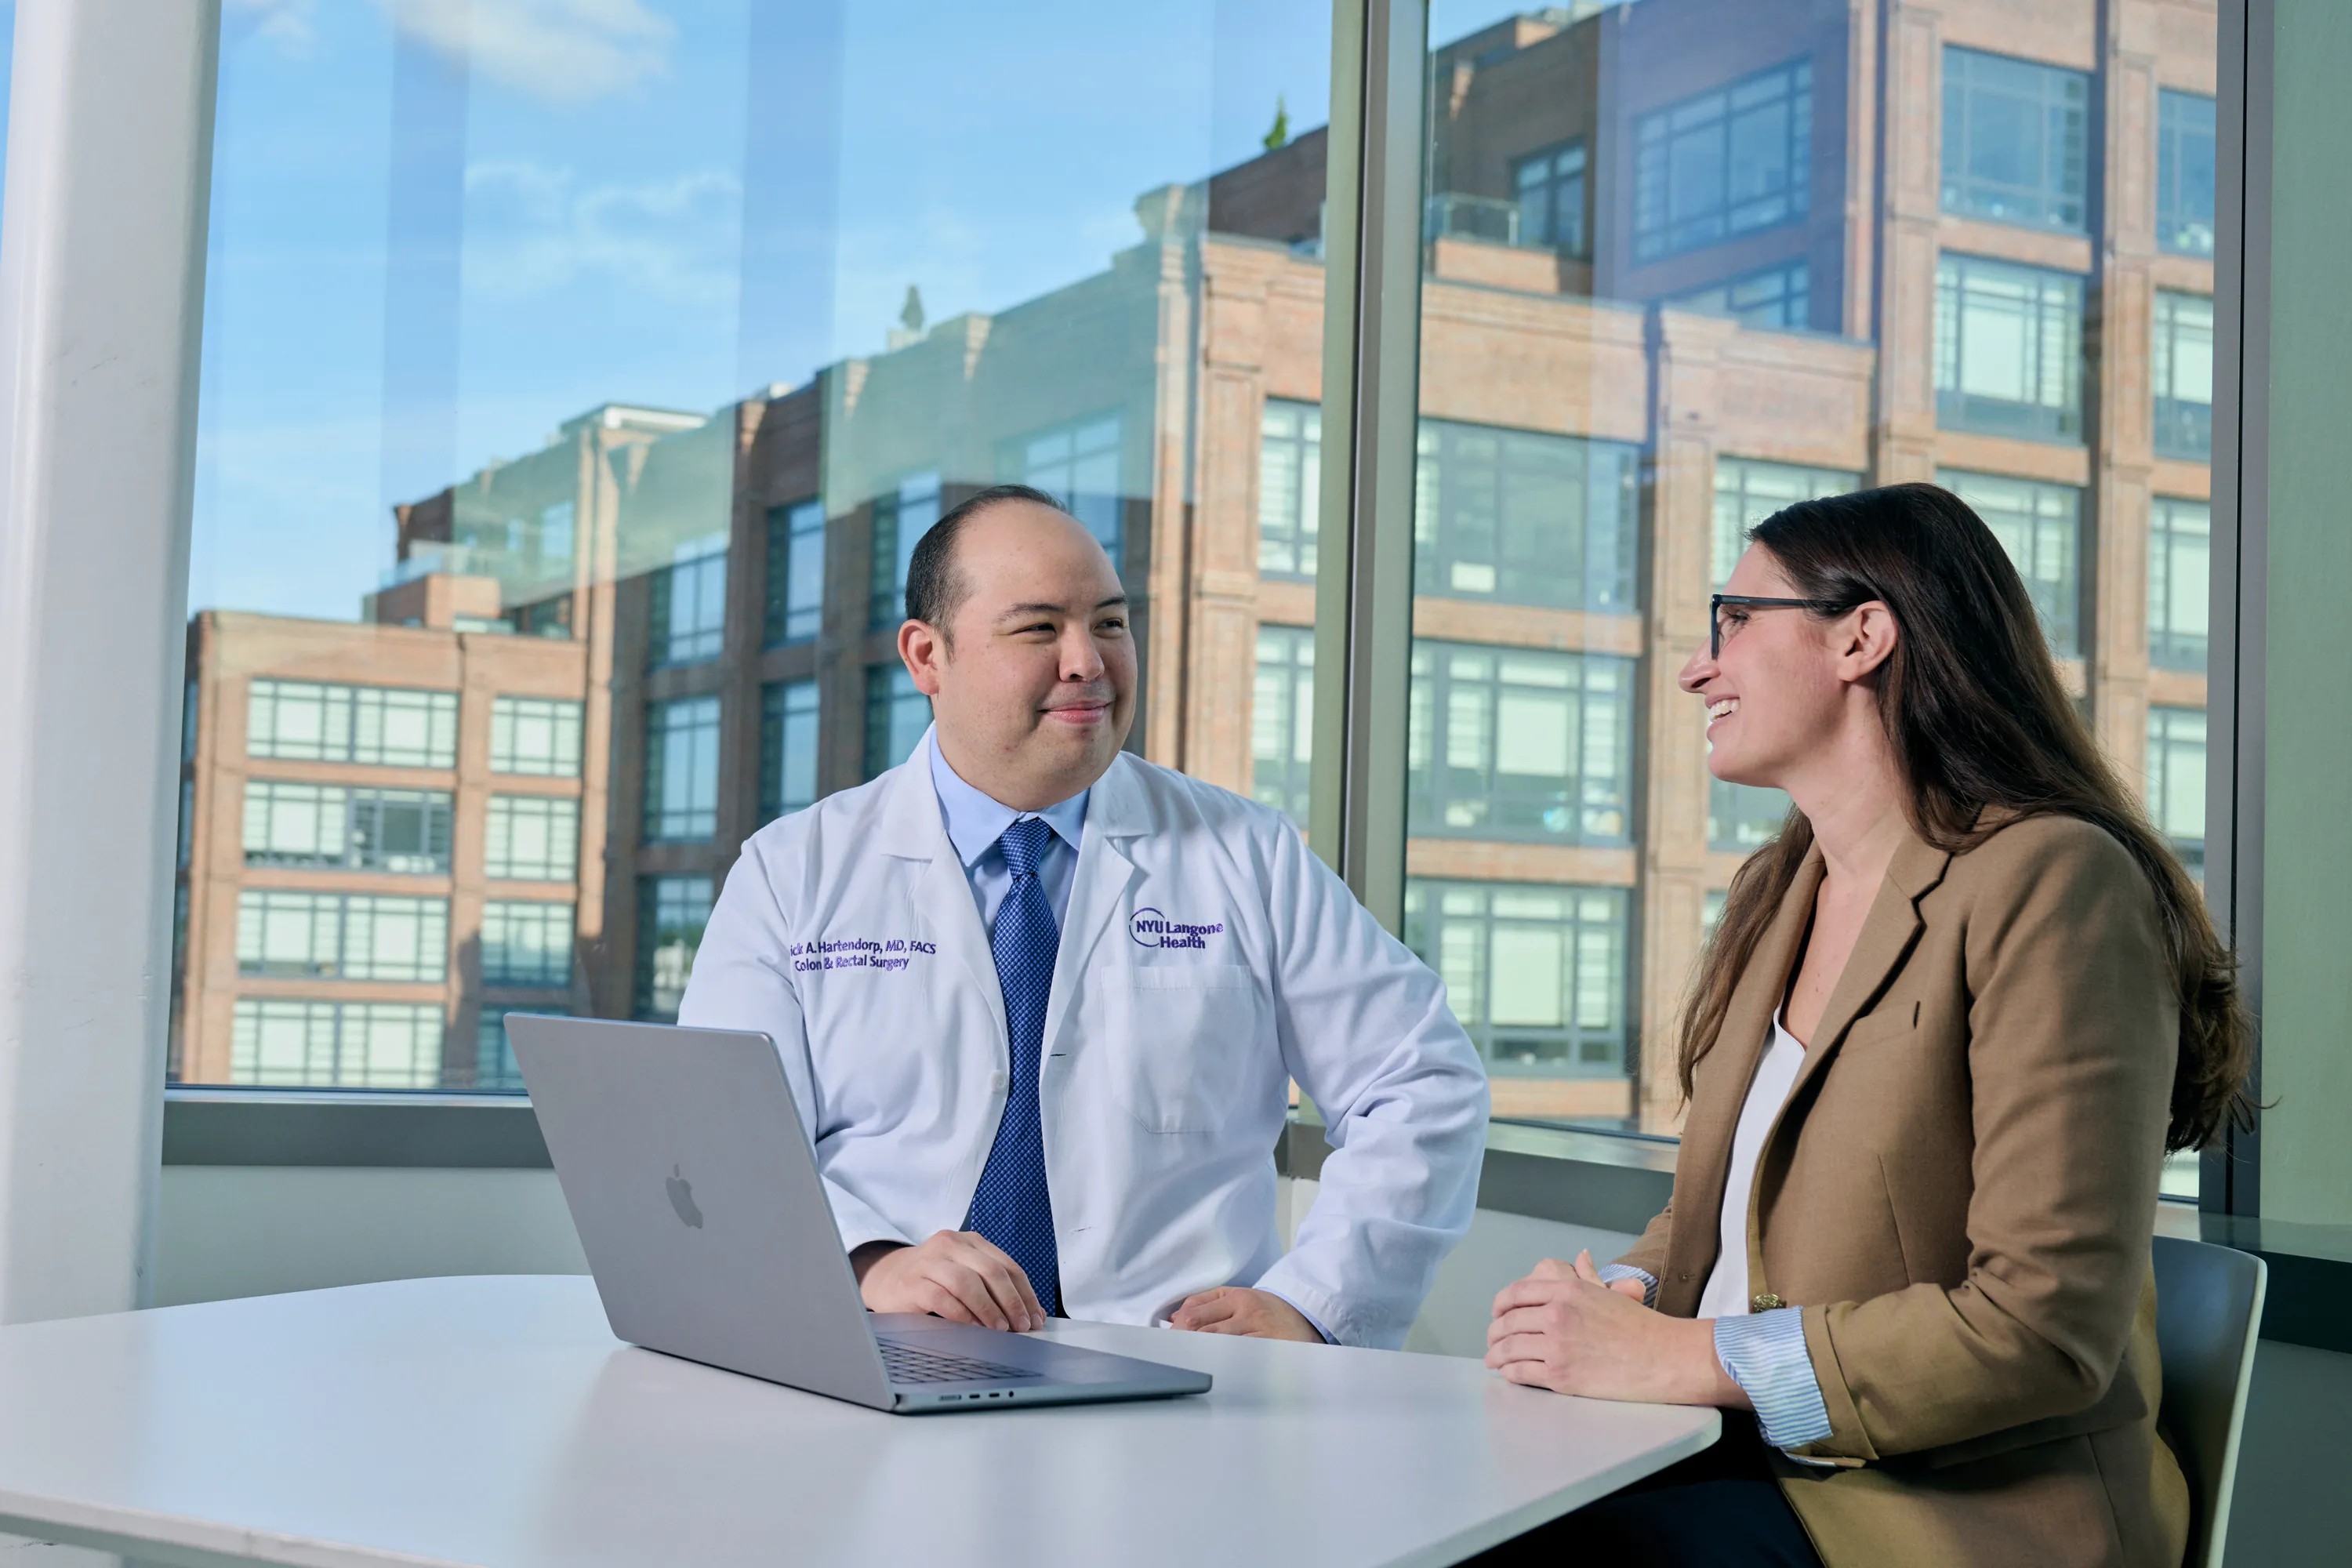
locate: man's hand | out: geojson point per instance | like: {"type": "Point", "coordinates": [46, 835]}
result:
{"type": "Point", "coordinates": [1236, 1310]}
{"type": "Point", "coordinates": [1561, 1329]}
{"type": "Point", "coordinates": [959, 1275]}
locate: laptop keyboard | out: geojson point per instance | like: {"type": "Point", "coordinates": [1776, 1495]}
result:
{"type": "Point", "coordinates": [905, 1364]}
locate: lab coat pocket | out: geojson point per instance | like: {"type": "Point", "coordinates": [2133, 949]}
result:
{"type": "Point", "coordinates": [1179, 1038]}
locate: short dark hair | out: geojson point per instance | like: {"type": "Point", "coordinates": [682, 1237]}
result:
{"type": "Point", "coordinates": [934, 588]}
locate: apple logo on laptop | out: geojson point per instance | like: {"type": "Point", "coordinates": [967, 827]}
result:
{"type": "Point", "coordinates": [681, 1198]}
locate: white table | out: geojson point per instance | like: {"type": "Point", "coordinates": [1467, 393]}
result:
{"type": "Point", "coordinates": [496, 1421]}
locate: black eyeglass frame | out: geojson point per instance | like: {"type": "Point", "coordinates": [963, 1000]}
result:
{"type": "Point", "coordinates": [1751, 601]}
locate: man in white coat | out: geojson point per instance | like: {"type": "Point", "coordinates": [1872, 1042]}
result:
{"type": "Point", "coordinates": [1039, 1001]}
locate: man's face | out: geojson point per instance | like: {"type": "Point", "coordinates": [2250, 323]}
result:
{"type": "Point", "coordinates": [1035, 693]}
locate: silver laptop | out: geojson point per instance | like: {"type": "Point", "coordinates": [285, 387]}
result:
{"type": "Point", "coordinates": [697, 1201]}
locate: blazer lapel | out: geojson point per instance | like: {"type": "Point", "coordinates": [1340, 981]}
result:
{"type": "Point", "coordinates": [1888, 932]}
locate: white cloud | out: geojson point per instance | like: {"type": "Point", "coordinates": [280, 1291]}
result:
{"type": "Point", "coordinates": [532, 228]}
{"type": "Point", "coordinates": [561, 51]}
{"type": "Point", "coordinates": [284, 22]}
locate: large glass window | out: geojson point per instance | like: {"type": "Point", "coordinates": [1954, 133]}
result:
{"type": "Point", "coordinates": [902, 515]}
{"type": "Point", "coordinates": [689, 606]}
{"type": "Point", "coordinates": [671, 913]}
{"type": "Point", "coordinates": [1775, 299]}
{"type": "Point", "coordinates": [531, 839]}
{"type": "Point", "coordinates": [1521, 744]}
{"type": "Point", "coordinates": [1550, 189]}
{"type": "Point", "coordinates": [2016, 140]}
{"type": "Point", "coordinates": [1078, 465]}
{"type": "Point", "coordinates": [302, 720]}
{"type": "Point", "coordinates": [535, 735]}
{"type": "Point", "coordinates": [2008, 349]}
{"type": "Point", "coordinates": [2176, 781]}
{"type": "Point", "coordinates": [1749, 490]}
{"type": "Point", "coordinates": [287, 934]}
{"type": "Point", "coordinates": [897, 714]}
{"type": "Point", "coordinates": [336, 1045]}
{"type": "Point", "coordinates": [330, 826]}
{"type": "Point", "coordinates": [682, 768]}
{"type": "Point", "coordinates": [2041, 527]}
{"type": "Point", "coordinates": [2182, 370]}
{"type": "Point", "coordinates": [788, 740]}
{"type": "Point", "coordinates": [795, 606]}
{"type": "Point", "coordinates": [1289, 487]}
{"type": "Point", "coordinates": [2184, 172]}
{"type": "Point", "coordinates": [1525, 518]}
{"type": "Point", "coordinates": [1724, 163]}
{"type": "Point", "coordinates": [2179, 583]}
{"type": "Point", "coordinates": [526, 945]}
{"type": "Point", "coordinates": [1282, 719]}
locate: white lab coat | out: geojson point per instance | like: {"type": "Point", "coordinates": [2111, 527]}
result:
{"type": "Point", "coordinates": [1206, 957]}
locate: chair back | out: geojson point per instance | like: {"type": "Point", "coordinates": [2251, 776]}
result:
{"type": "Point", "coordinates": [2209, 1310]}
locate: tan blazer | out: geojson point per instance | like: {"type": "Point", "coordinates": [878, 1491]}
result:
{"type": "Point", "coordinates": [1960, 1193]}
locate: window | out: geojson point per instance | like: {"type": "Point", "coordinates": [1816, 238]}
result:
{"type": "Point", "coordinates": [2176, 781]}
{"type": "Point", "coordinates": [788, 711]}
{"type": "Point", "coordinates": [1725, 163]}
{"type": "Point", "coordinates": [301, 721]}
{"type": "Point", "coordinates": [682, 768]}
{"type": "Point", "coordinates": [1078, 465]}
{"type": "Point", "coordinates": [313, 826]}
{"type": "Point", "coordinates": [901, 518]}
{"type": "Point", "coordinates": [1282, 719]}
{"type": "Point", "coordinates": [2183, 373]}
{"type": "Point", "coordinates": [2180, 582]}
{"type": "Point", "coordinates": [1289, 487]}
{"type": "Point", "coordinates": [1743, 817]}
{"type": "Point", "coordinates": [531, 839]}
{"type": "Point", "coordinates": [671, 913]}
{"type": "Point", "coordinates": [2184, 173]}
{"type": "Point", "coordinates": [897, 714]}
{"type": "Point", "coordinates": [1550, 188]}
{"type": "Point", "coordinates": [494, 1068]}
{"type": "Point", "coordinates": [1773, 298]}
{"type": "Point", "coordinates": [1748, 489]}
{"type": "Point", "coordinates": [689, 620]}
{"type": "Point", "coordinates": [2016, 140]}
{"type": "Point", "coordinates": [284, 934]}
{"type": "Point", "coordinates": [2009, 350]}
{"type": "Point", "coordinates": [1525, 519]}
{"type": "Point", "coordinates": [2040, 527]}
{"type": "Point", "coordinates": [1521, 744]}
{"type": "Point", "coordinates": [795, 572]}
{"type": "Point", "coordinates": [337, 1045]}
{"type": "Point", "coordinates": [1535, 974]}
{"type": "Point", "coordinates": [535, 735]}
{"type": "Point", "coordinates": [526, 943]}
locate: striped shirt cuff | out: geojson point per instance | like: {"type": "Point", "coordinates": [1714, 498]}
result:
{"type": "Point", "coordinates": [1765, 1354]}
{"type": "Point", "coordinates": [1612, 1272]}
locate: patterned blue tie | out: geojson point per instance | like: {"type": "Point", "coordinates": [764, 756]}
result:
{"type": "Point", "coordinates": [1011, 1206]}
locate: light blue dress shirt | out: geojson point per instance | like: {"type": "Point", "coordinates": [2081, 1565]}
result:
{"type": "Point", "coordinates": [1765, 1354]}
{"type": "Point", "coordinates": [976, 820]}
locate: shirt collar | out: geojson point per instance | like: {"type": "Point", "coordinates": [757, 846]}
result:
{"type": "Point", "coordinates": [976, 820]}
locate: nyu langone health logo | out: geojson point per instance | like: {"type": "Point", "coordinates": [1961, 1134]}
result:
{"type": "Point", "coordinates": [1150, 928]}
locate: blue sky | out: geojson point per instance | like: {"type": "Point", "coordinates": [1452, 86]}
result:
{"type": "Point", "coordinates": [439, 228]}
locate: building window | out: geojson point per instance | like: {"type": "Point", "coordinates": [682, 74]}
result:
{"type": "Point", "coordinates": [1078, 465]}
{"type": "Point", "coordinates": [1748, 489]}
{"type": "Point", "coordinates": [787, 747]}
{"type": "Point", "coordinates": [689, 621]}
{"type": "Point", "coordinates": [494, 1068]}
{"type": "Point", "coordinates": [382, 726]}
{"type": "Point", "coordinates": [1535, 974]}
{"type": "Point", "coordinates": [897, 714]}
{"type": "Point", "coordinates": [2180, 582]}
{"type": "Point", "coordinates": [2016, 140]}
{"type": "Point", "coordinates": [1289, 489]}
{"type": "Point", "coordinates": [795, 572]}
{"type": "Point", "coordinates": [2184, 173]}
{"type": "Point", "coordinates": [282, 934]}
{"type": "Point", "coordinates": [1525, 519]}
{"type": "Point", "coordinates": [1710, 913]}
{"type": "Point", "coordinates": [2008, 349]}
{"type": "Point", "coordinates": [2176, 781]}
{"type": "Point", "coordinates": [1550, 188]}
{"type": "Point", "coordinates": [526, 943]}
{"type": "Point", "coordinates": [671, 913]}
{"type": "Point", "coordinates": [537, 735]}
{"type": "Point", "coordinates": [682, 768]}
{"type": "Point", "coordinates": [337, 1045]}
{"type": "Point", "coordinates": [2040, 526]}
{"type": "Point", "coordinates": [331, 828]}
{"type": "Point", "coordinates": [2183, 373]}
{"type": "Point", "coordinates": [901, 517]}
{"type": "Point", "coordinates": [1725, 163]}
{"type": "Point", "coordinates": [1773, 298]}
{"type": "Point", "coordinates": [1743, 817]}
{"type": "Point", "coordinates": [1519, 744]}
{"type": "Point", "coordinates": [531, 839]}
{"type": "Point", "coordinates": [1282, 719]}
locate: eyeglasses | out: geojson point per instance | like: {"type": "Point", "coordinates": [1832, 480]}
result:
{"type": "Point", "coordinates": [1750, 602]}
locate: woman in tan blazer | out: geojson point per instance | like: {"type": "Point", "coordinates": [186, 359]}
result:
{"type": "Point", "coordinates": [1951, 1022]}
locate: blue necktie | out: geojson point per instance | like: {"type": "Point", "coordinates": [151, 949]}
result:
{"type": "Point", "coordinates": [1011, 1206]}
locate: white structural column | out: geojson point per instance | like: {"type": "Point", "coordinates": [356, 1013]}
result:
{"type": "Point", "coordinates": [102, 285]}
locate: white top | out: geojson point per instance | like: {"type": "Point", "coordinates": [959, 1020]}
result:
{"type": "Point", "coordinates": [495, 1421]}
{"type": "Point", "coordinates": [1725, 1295]}
{"type": "Point", "coordinates": [1206, 960]}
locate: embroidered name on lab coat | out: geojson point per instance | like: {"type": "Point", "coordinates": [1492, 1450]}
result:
{"type": "Point", "coordinates": [888, 953]}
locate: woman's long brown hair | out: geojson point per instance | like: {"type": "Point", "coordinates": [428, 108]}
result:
{"type": "Point", "coordinates": [1986, 735]}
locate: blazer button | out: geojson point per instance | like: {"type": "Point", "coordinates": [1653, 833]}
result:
{"type": "Point", "coordinates": [1767, 1302]}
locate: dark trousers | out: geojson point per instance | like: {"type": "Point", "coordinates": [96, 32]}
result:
{"type": "Point", "coordinates": [1718, 1509]}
